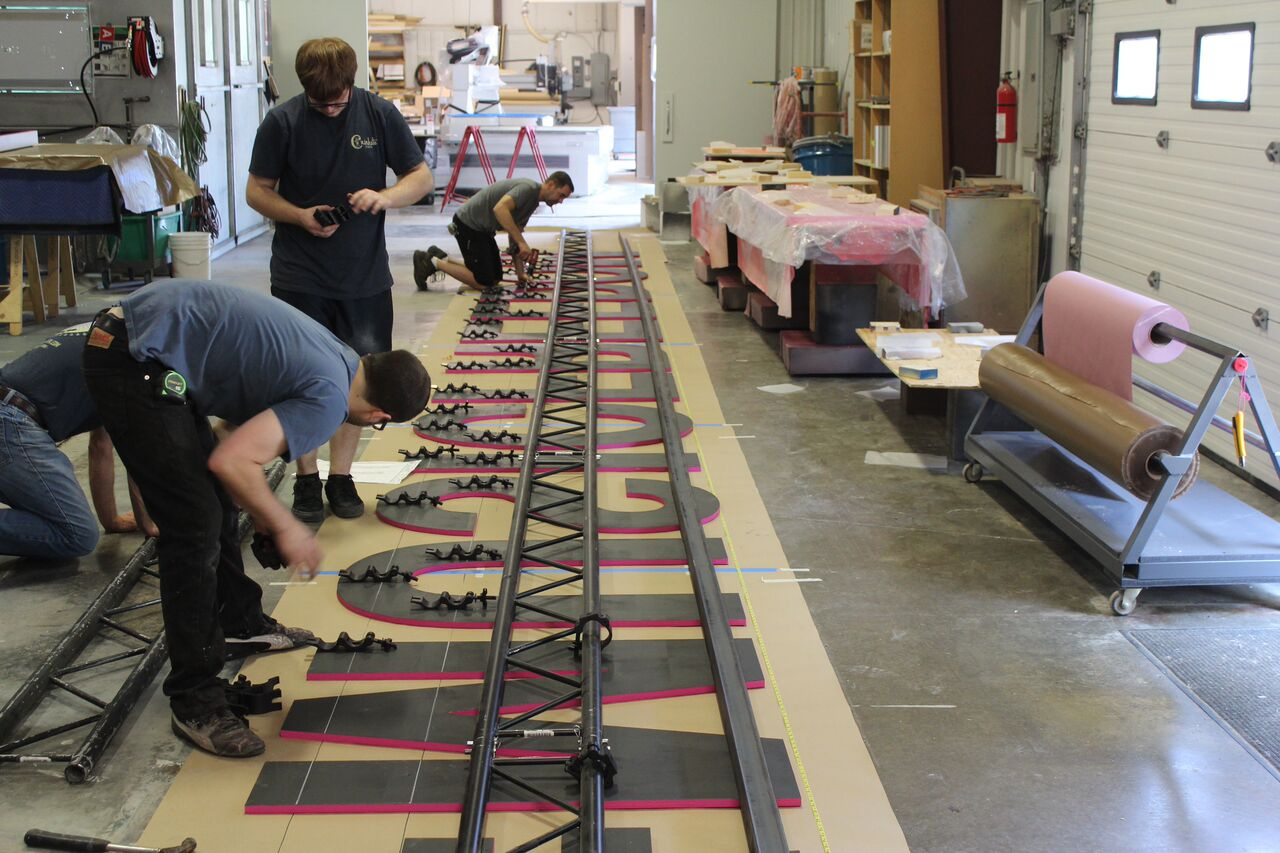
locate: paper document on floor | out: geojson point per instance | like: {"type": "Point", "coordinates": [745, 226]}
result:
{"type": "Point", "coordinates": [384, 473]}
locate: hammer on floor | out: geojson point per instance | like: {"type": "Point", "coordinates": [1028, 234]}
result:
{"type": "Point", "coordinates": [42, 838]}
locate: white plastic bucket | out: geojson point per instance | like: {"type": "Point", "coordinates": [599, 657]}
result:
{"type": "Point", "coordinates": [190, 254]}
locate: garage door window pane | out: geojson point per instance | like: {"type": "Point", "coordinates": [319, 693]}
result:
{"type": "Point", "coordinates": [1136, 67]}
{"type": "Point", "coordinates": [1224, 67]}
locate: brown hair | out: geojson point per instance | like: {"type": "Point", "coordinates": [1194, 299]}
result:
{"type": "Point", "coordinates": [397, 383]}
{"type": "Point", "coordinates": [326, 68]}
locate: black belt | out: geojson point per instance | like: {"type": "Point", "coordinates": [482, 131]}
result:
{"type": "Point", "coordinates": [22, 404]}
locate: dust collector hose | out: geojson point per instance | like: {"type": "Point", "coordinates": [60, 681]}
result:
{"type": "Point", "coordinates": [528, 25]}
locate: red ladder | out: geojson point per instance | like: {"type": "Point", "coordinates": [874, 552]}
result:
{"type": "Point", "coordinates": [527, 132]}
{"type": "Point", "coordinates": [485, 163]}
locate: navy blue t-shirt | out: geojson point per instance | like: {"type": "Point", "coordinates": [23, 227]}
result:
{"type": "Point", "coordinates": [319, 159]}
{"type": "Point", "coordinates": [243, 353]}
{"type": "Point", "coordinates": [50, 376]}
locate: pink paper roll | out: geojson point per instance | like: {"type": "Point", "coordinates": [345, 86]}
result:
{"type": "Point", "coordinates": [1094, 329]}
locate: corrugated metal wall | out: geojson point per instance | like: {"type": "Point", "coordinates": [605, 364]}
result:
{"type": "Point", "coordinates": [1203, 212]}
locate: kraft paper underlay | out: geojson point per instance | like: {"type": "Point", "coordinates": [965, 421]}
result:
{"type": "Point", "coordinates": [206, 799]}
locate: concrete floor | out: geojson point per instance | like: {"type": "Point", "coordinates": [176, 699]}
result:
{"type": "Point", "coordinates": [1003, 706]}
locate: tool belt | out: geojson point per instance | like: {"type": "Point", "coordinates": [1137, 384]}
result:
{"type": "Point", "coordinates": [22, 404]}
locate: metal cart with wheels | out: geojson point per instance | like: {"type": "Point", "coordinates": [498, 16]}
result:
{"type": "Point", "coordinates": [1204, 537]}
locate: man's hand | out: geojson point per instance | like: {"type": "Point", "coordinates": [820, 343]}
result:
{"type": "Point", "coordinates": [307, 221]}
{"type": "Point", "coordinates": [525, 253]}
{"type": "Point", "coordinates": [367, 201]}
{"type": "Point", "coordinates": [297, 546]}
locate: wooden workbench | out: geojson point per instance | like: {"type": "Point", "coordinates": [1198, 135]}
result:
{"type": "Point", "coordinates": [957, 379]}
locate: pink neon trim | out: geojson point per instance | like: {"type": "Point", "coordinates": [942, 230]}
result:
{"type": "Point", "coordinates": [485, 626]}
{"type": "Point", "coordinates": [416, 746]}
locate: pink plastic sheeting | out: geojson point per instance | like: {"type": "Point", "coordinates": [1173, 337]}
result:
{"type": "Point", "coordinates": [710, 234]}
{"type": "Point", "coordinates": [771, 277]}
{"type": "Point", "coordinates": [1094, 329]}
{"type": "Point", "coordinates": [908, 248]}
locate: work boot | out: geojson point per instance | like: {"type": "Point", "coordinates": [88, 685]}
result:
{"type": "Point", "coordinates": [307, 505]}
{"type": "Point", "coordinates": [424, 267]}
{"type": "Point", "coordinates": [270, 636]}
{"type": "Point", "coordinates": [221, 733]}
{"type": "Point", "coordinates": [340, 489]}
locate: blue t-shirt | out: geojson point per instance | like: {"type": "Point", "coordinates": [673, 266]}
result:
{"type": "Point", "coordinates": [243, 353]}
{"type": "Point", "coordinates": [50, 376]}
{"type": "Point", "coordinates": [319, 159]}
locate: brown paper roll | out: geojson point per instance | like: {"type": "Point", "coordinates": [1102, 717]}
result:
{"type": "Point", "coordinates": [1105, 430]}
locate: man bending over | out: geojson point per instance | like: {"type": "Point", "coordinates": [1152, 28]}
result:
{"type": "Point", "coordinates": [505, 205]}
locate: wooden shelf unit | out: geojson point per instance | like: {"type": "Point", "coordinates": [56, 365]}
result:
{"type": "Point", "coordinates": [386, 47]}
{"type": "Point", "coordinates": [913, 86]}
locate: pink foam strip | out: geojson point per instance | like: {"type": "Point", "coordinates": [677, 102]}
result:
{"type": "Point", "coordinates": [416, 746]}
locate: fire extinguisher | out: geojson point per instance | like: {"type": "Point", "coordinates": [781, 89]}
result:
{"type": "Point", "coordinates": [1006, 110]}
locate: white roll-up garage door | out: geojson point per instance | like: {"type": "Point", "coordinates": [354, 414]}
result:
{"type": "Point", "coordinates": [1203, 212]}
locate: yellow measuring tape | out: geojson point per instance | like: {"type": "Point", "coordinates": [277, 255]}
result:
{"type": "Point", "coordinates": [764, 651]}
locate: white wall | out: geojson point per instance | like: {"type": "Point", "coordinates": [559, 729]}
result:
{"type": "Point", "coordinates": [295, 21]}
{"type": "Point", "coordinates": [706, 77]}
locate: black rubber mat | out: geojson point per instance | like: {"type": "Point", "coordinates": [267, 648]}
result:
{"type": "Point", "coordinates": [664, 770]}
{"type": "Point", "coordinates": [1233, 673]}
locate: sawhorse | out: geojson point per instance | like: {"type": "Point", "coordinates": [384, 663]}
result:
{"type": "Point", "coordinates": [472, 132]}
{"type": "Point", "coordinates": [41, 292]}
{"type": "Point", "coordinates": [526, 132]}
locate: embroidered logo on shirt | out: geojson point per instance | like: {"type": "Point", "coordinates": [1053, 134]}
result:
{"type": "Point", "coordinates": [358, 142]}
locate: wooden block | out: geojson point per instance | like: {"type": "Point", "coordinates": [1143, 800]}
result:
{"type": "Point", "coordinates": [802, 357]}
{"type": "Point", "coordinates": [702, 269]}
{"type": "Point", "coordinates": [764, 313]}
{"type": "Point", "coordinates": [731, 292]}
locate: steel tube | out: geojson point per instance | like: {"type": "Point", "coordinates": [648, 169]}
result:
{"type": "Point", "coordinates": [761, 817]}
{"type": "Point", "coordinates": [480, 769]}
{"type": "Point", "coordinates": [590, 781]}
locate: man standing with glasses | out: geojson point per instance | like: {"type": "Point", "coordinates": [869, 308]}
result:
{"type": "Point", "coordinates": [327, 151]}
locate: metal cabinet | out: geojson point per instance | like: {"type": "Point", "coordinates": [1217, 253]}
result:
{"type": "Point", "coordinates": [997, 244]}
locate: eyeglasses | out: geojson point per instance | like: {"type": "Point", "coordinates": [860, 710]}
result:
{"type": "Point", "coordinates": [334, 106]}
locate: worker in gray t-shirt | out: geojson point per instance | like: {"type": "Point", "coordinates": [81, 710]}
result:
{"type": "Point", "coordinates": [505, 205]}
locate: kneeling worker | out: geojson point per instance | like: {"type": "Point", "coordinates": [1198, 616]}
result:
{"type": "Point", "coordinates": [157, 366]}
{"type": "Point", "coordinates": [43, 401]}
{"type": "Point", "coordinates": [505, 205]}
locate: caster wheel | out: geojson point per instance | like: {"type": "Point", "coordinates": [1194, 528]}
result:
{"type": "Point", "coordinates": [1123, 601]}
{"type": "Point", "coordinates": [972, 472]}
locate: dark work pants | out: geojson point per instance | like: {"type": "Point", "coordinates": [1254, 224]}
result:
{"type": "Point", "coordinates": [204, 591]}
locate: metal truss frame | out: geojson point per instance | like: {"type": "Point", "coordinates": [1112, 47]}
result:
{"type": "Point", "coordinates": [97, 622]}
{"type": "Point", "coordinates": [561, 440]}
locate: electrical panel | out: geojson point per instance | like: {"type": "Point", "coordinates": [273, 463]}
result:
{"type": "Point", "coordinates": [115, 39]}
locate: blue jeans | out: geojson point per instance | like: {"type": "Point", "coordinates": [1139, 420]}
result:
{"type": "Point", "coordinates": [49, 516]}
